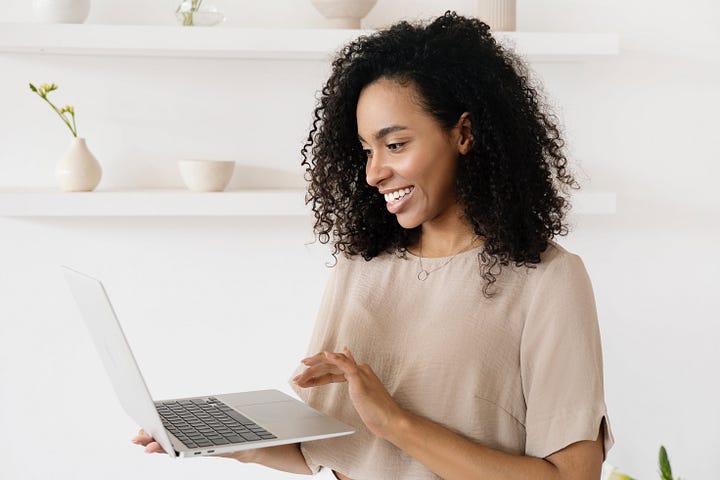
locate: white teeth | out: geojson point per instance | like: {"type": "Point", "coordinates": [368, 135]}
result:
{"type": "Point", "coordinates": [397, 194]}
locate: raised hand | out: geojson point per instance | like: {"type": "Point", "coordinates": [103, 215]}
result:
{"type": "Point", "coordinates": [371, 400]}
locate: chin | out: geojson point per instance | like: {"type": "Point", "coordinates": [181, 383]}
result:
{"type": "Point", "coordinates": [407, 223]}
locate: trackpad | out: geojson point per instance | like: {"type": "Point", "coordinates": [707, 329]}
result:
{"type": "Point", "coordinates": [268, 412]}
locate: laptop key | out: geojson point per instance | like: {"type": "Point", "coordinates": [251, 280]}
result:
{"type": "Point", "coordinates": [235, 438]}
{"type": "Point", "coordinates": [250, 436]}
{"type": "Point", "coordinates": [240, 418]}
{"type": "Point", "coordinates": [219, 441]}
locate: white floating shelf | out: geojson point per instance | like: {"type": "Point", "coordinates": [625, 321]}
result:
{"type": "Point", "coordinates": [161, 203]}
{"type": "Point", "coordinates": [248, 43]}
{"type": "Point", "coordinates": [148, 203]}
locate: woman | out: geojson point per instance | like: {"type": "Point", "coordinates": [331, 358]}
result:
{"type": "Point", "coordinates": [454, 334]}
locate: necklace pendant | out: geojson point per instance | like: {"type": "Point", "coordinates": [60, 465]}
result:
{"type": "Point", "coordinates": [423, 275]}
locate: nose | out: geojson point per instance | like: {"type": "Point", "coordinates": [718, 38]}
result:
{"type": "Point", "coordinates": [376, 170]}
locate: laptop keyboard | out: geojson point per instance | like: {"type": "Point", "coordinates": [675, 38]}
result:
{"type": "Point", "coordinates": [208, 422]}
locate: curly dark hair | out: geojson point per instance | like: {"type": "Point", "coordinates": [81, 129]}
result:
{"type": "Point", "coordinates": [509, 182]}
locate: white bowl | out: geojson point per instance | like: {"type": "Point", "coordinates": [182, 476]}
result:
{"type": "Point", "coordinates": [344, 13]}
{"type": "Point", "coordinates": [61, 11]}
{"type": "Point", "coordinates": [206, 175]}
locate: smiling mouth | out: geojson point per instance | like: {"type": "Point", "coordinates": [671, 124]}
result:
{"type": "Point", "coordinates": [397, 195]}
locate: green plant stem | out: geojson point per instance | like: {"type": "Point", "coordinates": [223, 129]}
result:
{"type": "Point", "coordinates": [74, 132]}
{"type": "Point", "coordinates": [188, 17]}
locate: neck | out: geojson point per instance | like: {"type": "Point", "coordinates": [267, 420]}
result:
{"type": "Point", "coordinates": [442, 241]}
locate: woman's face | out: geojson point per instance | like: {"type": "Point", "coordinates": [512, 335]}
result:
{"type": "Point", "coordinates": [411, 160]}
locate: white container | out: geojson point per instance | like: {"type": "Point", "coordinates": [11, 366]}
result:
{"type": "Point", "coordinates": [344, 13]}
{"type": "Point", "coordinates": [499, 14]}
{"type": "Point", "coordinates": [78, 170]}
{"type": "Point", "coordinates": [206, 175]}
{"type": "Point", "coordinates": [61, 11]}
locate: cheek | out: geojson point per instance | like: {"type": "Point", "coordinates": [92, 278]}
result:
{"type": "Point", "coordinates": [435, 175]}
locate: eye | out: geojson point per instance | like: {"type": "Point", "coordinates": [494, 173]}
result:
{"type": "Point", "coordinates": [394, 146]}
{"type": "Point", "coordinates": [367, 152]}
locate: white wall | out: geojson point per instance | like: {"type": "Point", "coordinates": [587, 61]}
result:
{"type": "Point", "coordinates": [201, 297]}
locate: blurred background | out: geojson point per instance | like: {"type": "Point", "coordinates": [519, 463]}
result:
{"type": "Point", "coordinates": [221, 304]}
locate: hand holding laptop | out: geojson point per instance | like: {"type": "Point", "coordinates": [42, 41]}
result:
{"type": "Point", "coordinates": [286, 458]}
{"type": "Point", "coordinates": [151, 446]}
{"type": "Point", "coordinates": [223, 424]}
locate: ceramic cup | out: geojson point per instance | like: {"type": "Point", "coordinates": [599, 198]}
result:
{"type": "Point", "coordinates": [206, 175]}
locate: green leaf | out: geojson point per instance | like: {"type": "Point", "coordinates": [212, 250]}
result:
{"type": "Point", "coordinates": [32, 87]}
{"type": "Point", "coordinates": [664, 462]}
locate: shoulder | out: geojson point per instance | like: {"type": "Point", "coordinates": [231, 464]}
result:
{"type": "Point", "coordinates": [557, 261]}
{"type": "Point", "coordinates": [559, 269]}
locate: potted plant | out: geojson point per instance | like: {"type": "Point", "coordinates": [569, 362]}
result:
{"type": "Point", "coordinates": [78, 170]}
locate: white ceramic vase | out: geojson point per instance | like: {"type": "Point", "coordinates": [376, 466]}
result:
{"type": "Point", "coordinates": [499, 14]}
{"type": "Point", "coordinates": [61, 11]}
{"type": "Point", "coordinates": [344, 13]}
{"type": "Point", "coordinates": [78, 170]}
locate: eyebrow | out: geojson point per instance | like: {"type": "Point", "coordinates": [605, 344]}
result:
{"type": "Point", "coordinates": [385, 131]}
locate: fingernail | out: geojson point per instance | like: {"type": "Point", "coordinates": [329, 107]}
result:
{"type": "Point", "coordinates": [295, 378]}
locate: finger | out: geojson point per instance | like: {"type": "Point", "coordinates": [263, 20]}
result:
{"type": "Point", "coordinates": [317, 371]}
{"type": "Point", "coordinates": [142, 438]}
{"type": "Point", "coordinates": [345, 365]}
{"type": "Point", "coordinates": [321, 380]}
{"type": "Point", "coordinates": [349, 354]}
{"type": "Point", "coordinates": [154, 447]}
{"type": "Point", "coordinates": [313, 359]}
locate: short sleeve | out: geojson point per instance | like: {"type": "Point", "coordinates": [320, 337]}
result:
{"type": "Point", "coordinates": [561, 361]}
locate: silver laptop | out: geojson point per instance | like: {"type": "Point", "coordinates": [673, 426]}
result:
{"type": "Point", "coordinates": [195, 426]}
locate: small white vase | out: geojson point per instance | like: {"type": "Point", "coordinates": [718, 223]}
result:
{"type": "Point", "coordinates": [344, 13]}
{"type": "Point", "coordinates": [498, 14]}
{"type": "Point", "coordinates": [78, 170]}
{"type": "Point", "coordinates": [61, 11]}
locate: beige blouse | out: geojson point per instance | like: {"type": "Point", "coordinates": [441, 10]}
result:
{"type": "Point", "coordinates": [521, 372]}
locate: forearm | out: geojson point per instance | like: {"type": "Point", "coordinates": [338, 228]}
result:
{"type": "Point", "coordinates": [451, 456]}
{"type": "Point", "coordinates": [287, 458]}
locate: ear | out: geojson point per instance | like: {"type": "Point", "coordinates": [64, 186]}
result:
{"type": "Point", "coordinates": [465, 138]}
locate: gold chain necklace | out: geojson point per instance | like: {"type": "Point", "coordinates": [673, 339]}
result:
{"type": "Point", "coordinates": [423, 274]}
